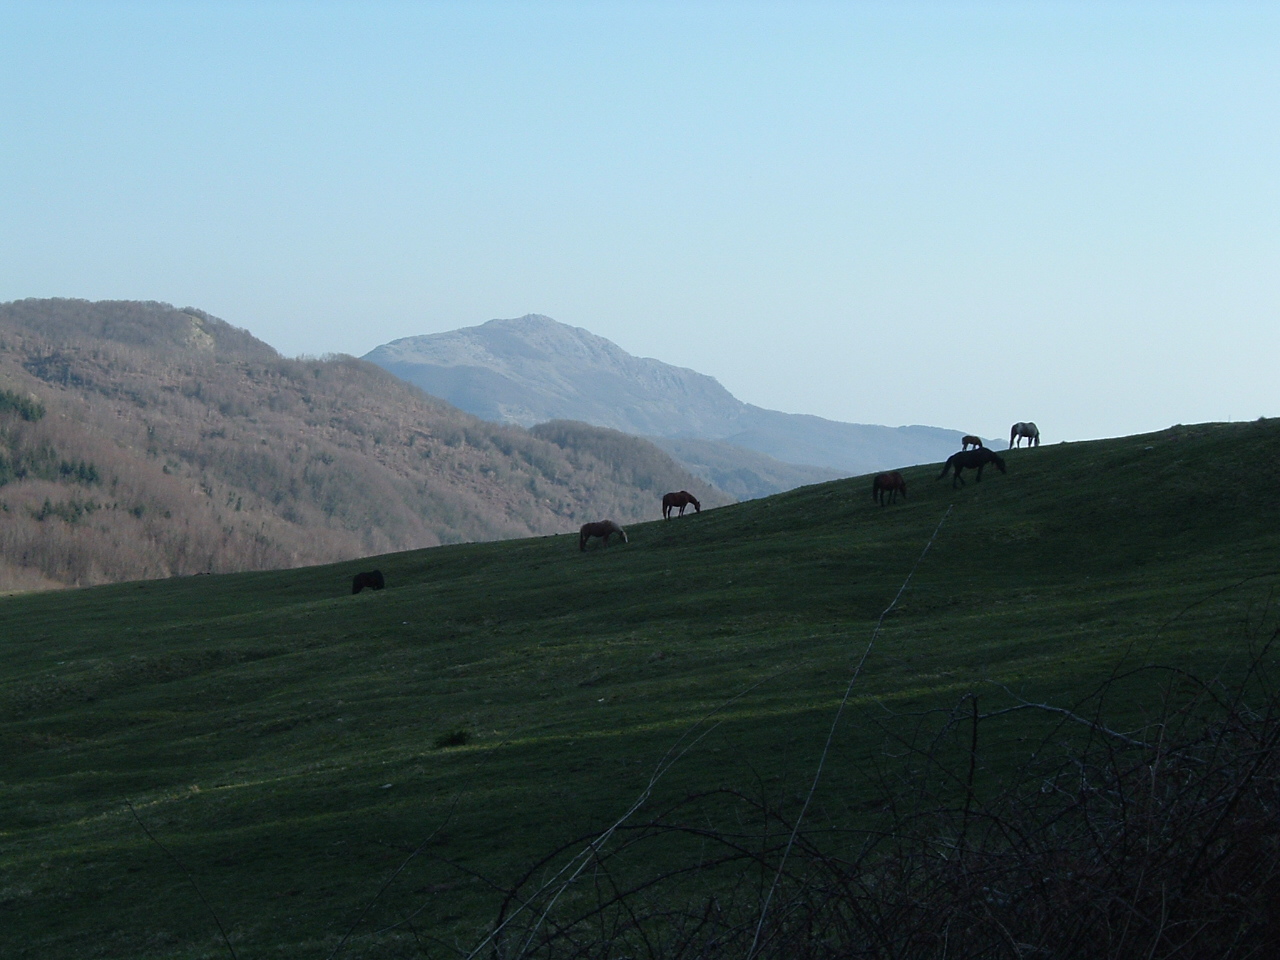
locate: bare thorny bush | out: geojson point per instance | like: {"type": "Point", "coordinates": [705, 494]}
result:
{"type": "Point", "coordinates": [1159, 842]}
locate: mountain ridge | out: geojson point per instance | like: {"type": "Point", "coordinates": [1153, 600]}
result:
{"type": "Point", "coordinates": [530, 369]}
{"type": "Point", "coordinates": [520, 352]}
{"type": "Point", "coordinates": [139, 440]}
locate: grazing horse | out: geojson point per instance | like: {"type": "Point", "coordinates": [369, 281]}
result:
{"type": "Point", "coordinates": [601, 528]}
{"type": "Point", "coordinates": [889, 483]}
{"type": "Point", "coordinates": [1028, 430]}
{"type": "Point", "coordinates": [967, 460]}
{"type": "Point", "coordinates": [372, 579]}
{"type": "Point", "coordinates": [970, 441]}
{"type": "Point", "coordinates": [682, 499]}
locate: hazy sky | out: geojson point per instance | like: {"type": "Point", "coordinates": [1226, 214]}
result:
{"type": "Point", "coordinates": [955, 213]}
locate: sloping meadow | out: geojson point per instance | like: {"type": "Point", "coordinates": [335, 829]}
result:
{"type": "Point", "coordinates": [655, 749]}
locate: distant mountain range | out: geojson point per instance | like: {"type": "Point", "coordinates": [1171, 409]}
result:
{"type": "Point", "coordinates": [138, 441]}
{"type": "Point", "coordinates": [532, 369]}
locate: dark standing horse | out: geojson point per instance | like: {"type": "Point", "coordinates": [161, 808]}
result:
{"type": "Point", "coordinates": [601, 528]}
{"type": "Point", "coordinates": [889, 483]}
{"type": "Point", "coordinates": [1028, 430]}
{"type": "Point", "coordinates": [682, 499]}
{"type": "Point", "coordinates": [968, 460]}
{"type": "Point", "coordinates": [970, 441]}
{"type": "Point", "coordinates": [372, 579]}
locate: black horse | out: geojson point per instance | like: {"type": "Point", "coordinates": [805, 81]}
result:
{"type": "Point", "coordinates": [968, 460]}
{"type": "Point", "coordinates": [371, 579]}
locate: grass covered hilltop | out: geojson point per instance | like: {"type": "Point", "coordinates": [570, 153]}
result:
{"type": "Point", "coordinates": [1060, 742]}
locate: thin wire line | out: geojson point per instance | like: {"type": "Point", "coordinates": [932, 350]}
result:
{"type": "Point", "coordinates": [586, 855]}
{"type": "Point", "coordinates": [857, 670]}
{"type": "Point", "coordinates": [190, 879]}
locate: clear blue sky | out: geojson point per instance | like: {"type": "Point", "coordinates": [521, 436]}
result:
{"type": "Point", "coordinates": [954, 213]}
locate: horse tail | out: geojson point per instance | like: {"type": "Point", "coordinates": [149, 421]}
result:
{"type": "Point", "coordinates": [946, 468]}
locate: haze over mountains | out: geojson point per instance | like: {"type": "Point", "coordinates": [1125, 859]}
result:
{"type": "Point", "coordinates": [139, 441]}
{"type": "Point", "coordinates": [531, 369]}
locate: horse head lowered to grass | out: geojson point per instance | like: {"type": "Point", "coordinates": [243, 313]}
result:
{"type": "Point", "coordinates": [601, 528]}
{"type": "Point", "coordinates": [682, 499]}
{"type": "Point", "coordinates": [373, 579]}
{"type": "Point", "coordinates": [969, 460]}
{"type": "Point", "coordinates": [890, 483]}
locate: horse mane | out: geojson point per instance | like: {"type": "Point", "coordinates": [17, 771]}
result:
{"type": "Point", "coordinates": [600, 528]}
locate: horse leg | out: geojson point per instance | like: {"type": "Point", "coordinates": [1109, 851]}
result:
{"type": "Point", "coordinates": [978, 478]}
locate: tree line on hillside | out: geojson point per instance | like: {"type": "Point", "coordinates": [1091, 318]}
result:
{"type": "Point", "coordinates": [185, 446]}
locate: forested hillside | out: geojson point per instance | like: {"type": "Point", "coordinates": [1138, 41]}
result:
{"type": "Point", "coordinates": [138, 440]}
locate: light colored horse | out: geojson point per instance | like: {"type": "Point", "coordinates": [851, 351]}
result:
{"type": "Point", "coordinates": [601, 528]}
{"type": "Point", "coordinates": [1028, 430]}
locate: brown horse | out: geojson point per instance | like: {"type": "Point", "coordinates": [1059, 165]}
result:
{"type": "Point", "coordinates": [682, 499]}
{"type": "Point", "coordinates": [889, 483]}
{"type": "Point", "coordinates": [970, 441]}
{"type": "Point", "coordinates": [969, 460]}
{"type": "Point", "coordinates": [601, 528]}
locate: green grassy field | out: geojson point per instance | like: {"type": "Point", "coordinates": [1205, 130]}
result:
{"type": "Point", "coordinates": [274, 746]}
